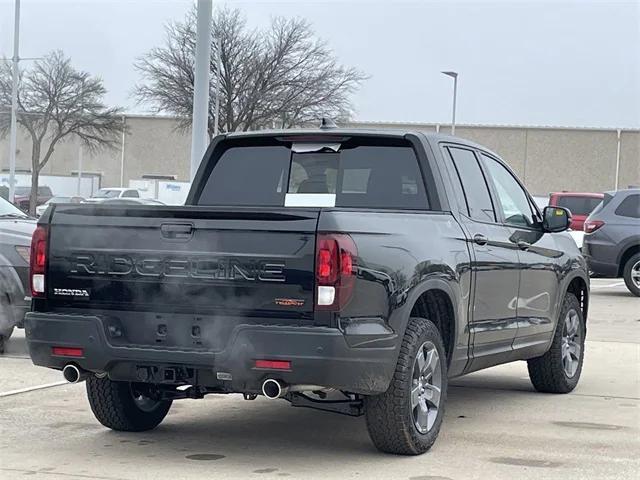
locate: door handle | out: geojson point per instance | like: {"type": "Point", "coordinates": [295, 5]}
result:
{"type": "Point", "coordinates": [480, 239]}
{"type": "Point", "coordinates": [176, 230]}
{"type": "Point", "coordinates": [522, 245]}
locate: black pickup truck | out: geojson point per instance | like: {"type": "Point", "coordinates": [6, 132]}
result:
{"type": "Point", "coordinates": [345, 270]}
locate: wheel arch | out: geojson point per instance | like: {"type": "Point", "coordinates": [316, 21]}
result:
{"type": "Point", "coordinates": [627, 252]}
{"type": "Point", "coordinates": [579, 286]}
{"type": "Point", "coordinates": [435, 301]}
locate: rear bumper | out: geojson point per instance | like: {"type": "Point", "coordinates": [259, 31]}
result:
{"type": "Point", "coordinates": [318, 355]}
{"type": "Point", "coordinates": [601, 255]}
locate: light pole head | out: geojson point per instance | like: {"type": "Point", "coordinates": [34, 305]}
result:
{"type": "Point", "coordinates": [451, 74]}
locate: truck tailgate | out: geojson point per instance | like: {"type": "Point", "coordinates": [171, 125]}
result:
{"type": "Point", "coordinates": [252, 263]}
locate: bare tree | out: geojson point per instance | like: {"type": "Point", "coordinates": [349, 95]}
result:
{"type": "Point", "coordinates": [282, 76]}
{"type": "Point", "coordinates": [55, 101]}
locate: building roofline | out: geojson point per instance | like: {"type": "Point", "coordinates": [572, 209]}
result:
{"type": "Point", "coordinates": [412, 125]}
{"type": "Point", "coordinates": [445, 125]}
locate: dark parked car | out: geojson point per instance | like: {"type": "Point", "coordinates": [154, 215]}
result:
{"type": "Point", "coordinates": [16, 229]}
{"type": "Point", "coordinates": [345, 270]}
{"type": "Point", "coordinates": [21, 197]}
{"type": "Point", "coordinates": [612, 238]}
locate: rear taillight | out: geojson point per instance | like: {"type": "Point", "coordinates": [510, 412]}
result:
{"type": "Point", "coordinates": [591, 226]}
{"type": "Point", "coordinates": [38, 260]}
{"type": "Point", "coordinates": [335, 270]}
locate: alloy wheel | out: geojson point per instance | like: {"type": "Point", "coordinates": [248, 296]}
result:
{"type": "Point", "coordinates": [426, 387]}
{"type": "Point", "coordinates": [635, 274]}
{"type": "Point", "coordinates": [571, 343]}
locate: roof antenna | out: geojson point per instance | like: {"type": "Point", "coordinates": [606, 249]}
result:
{"type": "Point", "coordinates": [327, 123]}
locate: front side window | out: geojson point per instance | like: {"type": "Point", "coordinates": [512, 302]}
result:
{"type": "Point", "coordinates": [130, 194]}
{"type": "Point", "coordinates": [511, 197]}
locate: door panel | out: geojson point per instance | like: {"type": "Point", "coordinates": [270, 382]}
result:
{"type": "Point", "coordinates": [494, 323]}
{"type": "Point", "coordinates": [539, 280]}
{"type": "Point", "coordinates": [495, 262]}
{"type": "Point", "coordinates": [538, 257]}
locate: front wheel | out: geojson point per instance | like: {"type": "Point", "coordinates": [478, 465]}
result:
{"type": "Point", "coordinates": [124, 406]}
{"type": "Point", "coordinates": [558, 370]}
{"type": "Point", "coordinates": [631, 274]}
{"type": "Point", "coordinates": [406, 419]}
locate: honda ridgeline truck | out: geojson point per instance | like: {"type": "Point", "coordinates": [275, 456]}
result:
{"type": "Point", "coordinates": [346, 270]}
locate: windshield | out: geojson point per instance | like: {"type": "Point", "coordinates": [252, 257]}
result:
{"type": "Point", "coordinates": [106, 193]}
{"type": "Point", "coordinates": [9, 210]}
{"type": "Point", "coordinates": [58, 200]}
{"type": "Point", "coordinates": [23, 190]}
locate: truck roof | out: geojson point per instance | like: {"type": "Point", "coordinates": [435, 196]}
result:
{"type": "Point", "coordinates": [346, 132]}
{"type": "Point", "coordinates": [332, 132]}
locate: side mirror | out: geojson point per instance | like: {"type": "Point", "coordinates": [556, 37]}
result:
{"type": "Point", "coordinates": [556, 219]}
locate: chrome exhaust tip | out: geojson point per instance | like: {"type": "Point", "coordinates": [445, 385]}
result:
{"type": "Point", "coordinates": [273, 389]}
{"type": "Point", "coordinates": [73, 374]}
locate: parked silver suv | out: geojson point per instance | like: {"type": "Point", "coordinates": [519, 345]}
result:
{"type": "Point", "coordinates": [612, 238]}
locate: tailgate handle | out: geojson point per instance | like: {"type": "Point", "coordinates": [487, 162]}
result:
{"type": "Point", "coordinates": [176, 230]}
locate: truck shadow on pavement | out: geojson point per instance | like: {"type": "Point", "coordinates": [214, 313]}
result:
{"type": "Point", "coordinates": [217, 429]}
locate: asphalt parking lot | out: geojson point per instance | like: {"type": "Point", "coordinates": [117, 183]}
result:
{"type": "Point", "coordinates": [496, 426]}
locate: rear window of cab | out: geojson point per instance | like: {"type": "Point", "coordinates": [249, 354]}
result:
{"type": "Point", "coordinates": [359, 176]}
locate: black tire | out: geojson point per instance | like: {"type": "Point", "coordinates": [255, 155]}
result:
{"type": "Point", "coordinates": [627, 271]}
{"type": "Point", "coordinates": [6, 334]}
{"type": "Point", "coordinates": [114, 406]}
{"type": "Point", "coordinates": [389, 416]}
{"type": "Point", "coordinates": [7, 321]}
{"type": "Point", "coordinates": [547, 372]}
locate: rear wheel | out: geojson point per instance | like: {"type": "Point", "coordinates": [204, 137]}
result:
{"type": "Point", "coordinates": [558, 370]}
{"type": "Point", "coordinates": [406, 419]}
{"type": "Point", "coordinates": [631, 274]}
{"type": "Point", "coordinates": [124, 406]}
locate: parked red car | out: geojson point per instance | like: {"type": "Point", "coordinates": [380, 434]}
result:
{"type": "Point", "coordinates": [579, 204]}
{"type": "Point", "coordinates": [21, 196]}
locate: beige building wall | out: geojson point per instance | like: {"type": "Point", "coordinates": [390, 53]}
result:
{"type": "Point", "coordinates": [546, 158]}
{"type": "Point", "coordinates": [550, 159]}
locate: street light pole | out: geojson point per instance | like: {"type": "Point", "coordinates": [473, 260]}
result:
{"type": "Point", "coordinates": [14, 103]}
{"type": "Point", "coordinates": [453, 75]}
{"type": "Point", "coordinates": [199, 124]}
{"type": "Point", "coordinates": [218, 83]}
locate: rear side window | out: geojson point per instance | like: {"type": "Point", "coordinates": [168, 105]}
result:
{"type": "Point", "coordinates": [629, 207]}
{"type": "Point", "coordinates": [474, 184]}
{"type": "Point", "coordinates": [578, 205]}
{"type": "Point", "coordinates": [361, 177]}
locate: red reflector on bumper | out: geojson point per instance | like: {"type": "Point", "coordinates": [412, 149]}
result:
{"type": "Point", "coordinates": [67, 351]}
{"type": "Point", "coordinates": [274, 364]}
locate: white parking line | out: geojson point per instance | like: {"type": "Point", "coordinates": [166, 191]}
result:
{"type": "Point", "coordinates": [30, 389]}
{"type": "Point", "coordinates": [617, 284]}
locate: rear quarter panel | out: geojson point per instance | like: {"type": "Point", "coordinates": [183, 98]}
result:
{"type": "Point", "coordinates": [400, 256]}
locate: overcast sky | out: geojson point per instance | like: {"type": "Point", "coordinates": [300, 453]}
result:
{"type": "Point", "coordinates": [573, 63]}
